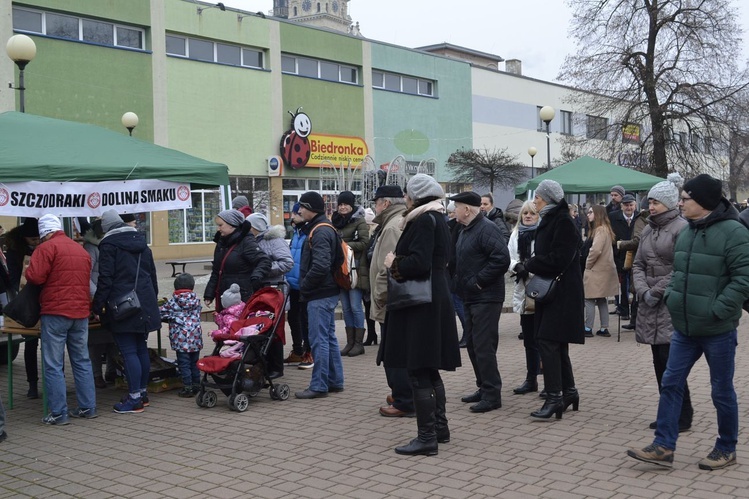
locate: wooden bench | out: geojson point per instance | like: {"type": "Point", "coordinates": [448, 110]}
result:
{"type": "Point", "coordinates": [174, 264]}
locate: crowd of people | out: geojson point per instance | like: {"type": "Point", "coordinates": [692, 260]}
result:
{"type": "Point", "coordinates": [677, 268]}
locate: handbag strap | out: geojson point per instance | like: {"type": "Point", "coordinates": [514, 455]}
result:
{"type": "Point", "coordinates": [567, 267]}
{"type": "Point", "coordinates": [137, 271]}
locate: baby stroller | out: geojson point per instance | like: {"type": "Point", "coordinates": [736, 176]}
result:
{"type": "Point", "coordinates": [244, 376]}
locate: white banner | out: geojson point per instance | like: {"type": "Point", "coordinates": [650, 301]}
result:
{"type": "Point", "coordinates": [78, 199]}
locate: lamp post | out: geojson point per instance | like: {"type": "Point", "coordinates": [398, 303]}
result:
{"type": "Point", "coordinates": [21, 49]}
{"type": "Point", "coordinates": [532, 153]}
{"type": "Point", "coordinates": [130, 121]}
{"type": "Point", "coordinates": [547, 114]}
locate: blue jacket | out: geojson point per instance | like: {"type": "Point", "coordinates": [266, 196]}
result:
{"type": "Point", "coordinates": [297, 243]}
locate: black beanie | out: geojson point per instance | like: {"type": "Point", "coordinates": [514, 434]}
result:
{"type": "Point", "coordinates": [313, 201]}
{"type": "Point", "coordinates": [705, 190]}
{"type": "Point", "coordinates": [184, 281]}
{"type": "Point", "coordinates": [347, 197]}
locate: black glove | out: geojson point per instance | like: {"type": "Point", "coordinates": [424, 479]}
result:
{"type": "Point", "coordinates": [256, 285]}
{"type": "Point", "coordinates": [520, 272]}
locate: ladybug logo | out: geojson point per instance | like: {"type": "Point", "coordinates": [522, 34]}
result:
{"type": "Point", "coordinates": [183, 193]}
{"type": "Point", "coordinates": [94, 200]}
{"type": "Point", "coordinates": [295, 148]}
{"type": "Point", "coordinates": [4, 196]}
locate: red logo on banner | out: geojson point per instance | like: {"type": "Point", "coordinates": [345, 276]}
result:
{"type": "Point", "coordinates": [183, 193]}
{"type": "Point", "coordinates": [4, 196]}
{"type": "Point", "coordinates": [94, 200]}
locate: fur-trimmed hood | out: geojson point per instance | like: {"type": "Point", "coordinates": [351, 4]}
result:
{"type": "Point", "coordinates": [273, 232]}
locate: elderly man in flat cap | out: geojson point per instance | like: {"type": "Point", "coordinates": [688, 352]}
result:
{"type": "Point", "coordinates": [481, 260]}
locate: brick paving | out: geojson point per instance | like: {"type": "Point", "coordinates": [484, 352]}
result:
{"type": "Point", "coordinates": [339, 447]}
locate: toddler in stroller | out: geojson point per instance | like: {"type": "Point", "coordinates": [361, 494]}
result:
{"type": "Point", "coordinates": [238, 365]}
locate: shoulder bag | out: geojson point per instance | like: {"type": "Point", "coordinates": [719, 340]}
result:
{"type": "Point", "coordinates": [410, 292]}
{"type": "Point", "coordinates": [25, 308]}
{"type": "Point", "coordinates": [128, 304]}
{"type": "Point", "coordinates": [543, 290]}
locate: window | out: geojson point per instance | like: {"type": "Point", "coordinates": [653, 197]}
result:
{"type": "Point", "coordinates": [565, 118]}
{"type": "Point", "coordinates": [404, 84]}
{"type": "Point", "coordinates": [77, 28]}
{"type": "Point", "coordinates": [195, 225]}
{"type": "Point", "coordinates": [321, 70]}
{"type": "Point", "coordinates": [695, 140]}
{"type": "Point", "coordinates": [208, 51]}
{"type": "Point", "coordinates": [597, 127]}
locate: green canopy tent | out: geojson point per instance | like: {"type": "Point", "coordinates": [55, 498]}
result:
{"type": "Point", "coordinates": [46, 149]}
{"type": "Point", "coordinates": [587, 175]}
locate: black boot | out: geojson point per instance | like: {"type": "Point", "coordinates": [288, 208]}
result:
{"type": "Point", "coordinates": [463, 343]}
{"type": "Point", "coordinates": [440, 414]}
{"type": "Point", "coordinates": [554, 405]}
{"type": "Point", "coordinates": [528, 386]}
{"type": "Point", "coordinates": [371, 334]}
{"type": "Point", "coordinates": [571, 398]}
{"type": "Point", "coordinates": [33, 392]}
{"type": "Point", "coordinates": [425, 444]}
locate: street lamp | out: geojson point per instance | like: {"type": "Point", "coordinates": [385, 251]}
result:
{"type": "Point", "coordinates": [21, 49]}
{"type": "Point", "coordinates": [532, 153]}
{"type": "Point", "coordinates": [547, 114]}
{"type": "Point", "coordinates": [130, 121]}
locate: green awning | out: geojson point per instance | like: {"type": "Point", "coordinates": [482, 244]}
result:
{"type": "Point", "coordinates": [46, 149]}
{"type": "Point", "coordinates": [587, 175]}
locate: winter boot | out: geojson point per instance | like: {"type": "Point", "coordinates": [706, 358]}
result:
{"type": "Point", "coordinates": [571, 397]}
{"type": "Point", "coordinates": [529, 385]}
{"type": "Point", "coordinates": [371, 334]}
{"type": "Point", "coordinates": [425, 444]}
{"type": "Point", "coordinates": [632, 317]}
{"type": "Point", "coordinates": [554, 405]}
{"type": "Point", "coordinates": [357, 349]}
{"type": "Point", "coordinates": [440, 414]}
{"type": "Point", "coordinates": [349, 341]}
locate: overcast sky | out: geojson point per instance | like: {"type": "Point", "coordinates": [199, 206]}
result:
{"type": "Point", "coordinates": [534, 31]}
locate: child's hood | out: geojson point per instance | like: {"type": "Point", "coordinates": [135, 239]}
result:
{"type": "Point", "coordinates": [187, 299]}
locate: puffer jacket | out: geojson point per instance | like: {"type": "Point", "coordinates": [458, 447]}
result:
{"type": "Point", "coordinates": [496, 216]}
{"type": "Point", "coordinates": [298, 241]}
{"type": "Point", "coordinates": [182, 312]}
{"type": "Point", "coordinates": [355, 233]}
{"type": "Point", "coordinates": [600, 279]}
{"type": "Point", "coordinates": [711, 274]}
{"type": "Point", "coordinates": [63, 269]}
{"type": "Point", "coordinates": [319, 258]}
{"type": "Point", "coordinates": [118, 261]}
{"type": "Point", "coordinates": [272, 243]}
{"type": "Point", "coordinates": [481, 260]}
{"type": "Point", "coordinates": [651, 271]}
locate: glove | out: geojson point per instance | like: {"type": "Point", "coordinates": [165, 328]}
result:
{"type": "Point", "coordinates": [650, 299]}
{"type": "Point", "coordinates": [520, 272]}
{"type": "Point", "coordinates": [256, 285]}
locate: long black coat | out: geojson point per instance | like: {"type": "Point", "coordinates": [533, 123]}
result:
{"type": "Point", "coordinates": [246, 265]}
{"type": "Point", "coordinates": [424, 336]}
{"type": "Point", "coordinates": [118, 259]}
{"type": "Point", "coordinates": [623, 232]}
{"type": "Point", "coordinates": [557, 244]}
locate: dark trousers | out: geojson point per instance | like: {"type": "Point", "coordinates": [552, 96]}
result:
{"type": "Point", "coordinates": [482, 326]}
{"type": "Point", "coordinates": [30, 347]}
{"type": "Point", "coordinates": [624, 291]}
{"type": "Point", "coordinates": [459, 309]}
{"type": "Point", "coordinates": [399, 383]}
{"type": "Point", "coordinates": [274, 357]}
{"type": "Point", "coordinates": [425, 378]}
{"type": "Point", "coordinates": [532, 357]}
{"type": "Point", "coordinates": [370, 322]}
{"type": "Point", "coordinates": [557, 365]}
{"type": "Point", "coordinates": [297, 317]}
{"type": "Point", "coordinates": [660, 359]}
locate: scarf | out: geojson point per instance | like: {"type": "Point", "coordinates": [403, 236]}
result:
{"type": "Point", "coordinates": [546, 209]}
{"type": "Point", "coordinates": [526, 236]}
{"type": "Point", "coordinates": [420, 210]}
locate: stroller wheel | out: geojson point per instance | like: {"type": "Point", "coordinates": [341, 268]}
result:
{"type": "Point", "coordinates": [209, 399]}
{"type": "Point", "coordinates": [199, 400]}
{"type": "Point", "coordinates": [280, 392]}
{"type": "Point", "coordinates": [239, 402]}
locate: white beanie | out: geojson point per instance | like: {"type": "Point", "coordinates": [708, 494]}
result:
{"type": "Point", "coordinates": [667, 192]}
{"type": "Point", "coordinates": [49, 224]}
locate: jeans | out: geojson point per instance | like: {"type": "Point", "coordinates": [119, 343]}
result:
{"type": "Point", "coordinates": [328, 369]}
{"type": "Point", "coordinates": [56, 333]}
{"type": "Point", "coordinates": [720, 353]}
{"type": "Point", "coordinates": [482, 326]}
{"type": "Point", "coordinates": [353, 308]}
{"type": "Point", "coordinates": [660, 360]}
{"type": "Point", "coordinates": [187, 368]}
{"type": "Point", "coordinates": [137, 361]}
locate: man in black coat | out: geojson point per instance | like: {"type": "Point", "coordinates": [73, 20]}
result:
{"type": "Point", "coordinates": [495, 215]}
{"type": "Point", "coordinates": [623, 224]}
{"type": "Point", "coordinates": [482, 258]}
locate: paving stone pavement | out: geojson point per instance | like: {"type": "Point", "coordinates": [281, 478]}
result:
{"type": "Point", "coordinates": [339, 446]}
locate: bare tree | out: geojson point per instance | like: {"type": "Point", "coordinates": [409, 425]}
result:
{"type": "Point", "coordinates": [482, 166]}
{"type": "Point", "coordinates": [735, 115]}
{"type": "Point", "coordinates": [659, 68]}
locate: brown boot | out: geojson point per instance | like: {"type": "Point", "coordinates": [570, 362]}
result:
{"type": "Point", "coordinates": [349, 341]}
{"type": "Point", "coordinates": [358, 348]}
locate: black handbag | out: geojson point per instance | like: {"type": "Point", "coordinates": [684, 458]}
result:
{"type": "Point", "coordinates": [127, 305]}
{"type": "Point", "coordinates": [25, 308]}
{"type": "Point", "coordinates": [543, 290]}
{"type": "Point", "coordinates": [408, 293]}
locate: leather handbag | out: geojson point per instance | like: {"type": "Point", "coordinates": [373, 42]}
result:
{"type": "Point", "coordinates": [544, 289]}
{"type": "Point", "coordinates": [25, 308]}
{"type": "Point", "coordinates": [127, 305]}
{"type": "Point", "coordinates": [408, 293]}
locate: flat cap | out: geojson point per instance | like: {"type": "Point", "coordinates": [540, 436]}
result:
{"type": "Point", "coordinates": [388, 191]}
{"type": "Point", "coordinates": [470, 198]}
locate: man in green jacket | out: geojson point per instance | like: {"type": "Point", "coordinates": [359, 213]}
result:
{"type": "Point", "coordinates": [710, 282]}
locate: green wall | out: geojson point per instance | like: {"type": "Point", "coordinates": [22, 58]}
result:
{"type": "Point", "coordinates": [422, 127]}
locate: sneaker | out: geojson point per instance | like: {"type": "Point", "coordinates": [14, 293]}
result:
{"type": "Point", "coordinates": [144, 399]}
{"type": "Point", "coordinates": [83, 413]}
{"type": "Point", "coordinates": [654, 454]}
{"type": "Point", "coordinates": [307, 361]}
{"type": "Point", "coordinates": [58, 419]}
{"type": "Point", "coordinates": [588, 333]}
{"type": "Point", "coordinates": [129, 405]}
{"type": "Point", "coordinates": [718, 459]}
{"type": "Point", "coordinates": [186, 392]}
{"type": "Point", "coordinates": [293, 358]}
{"type": "Point", "coordinates": [603, 332]}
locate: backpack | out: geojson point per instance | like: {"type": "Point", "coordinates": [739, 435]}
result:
{"type": "Point", "coordinates": [345, 263]}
